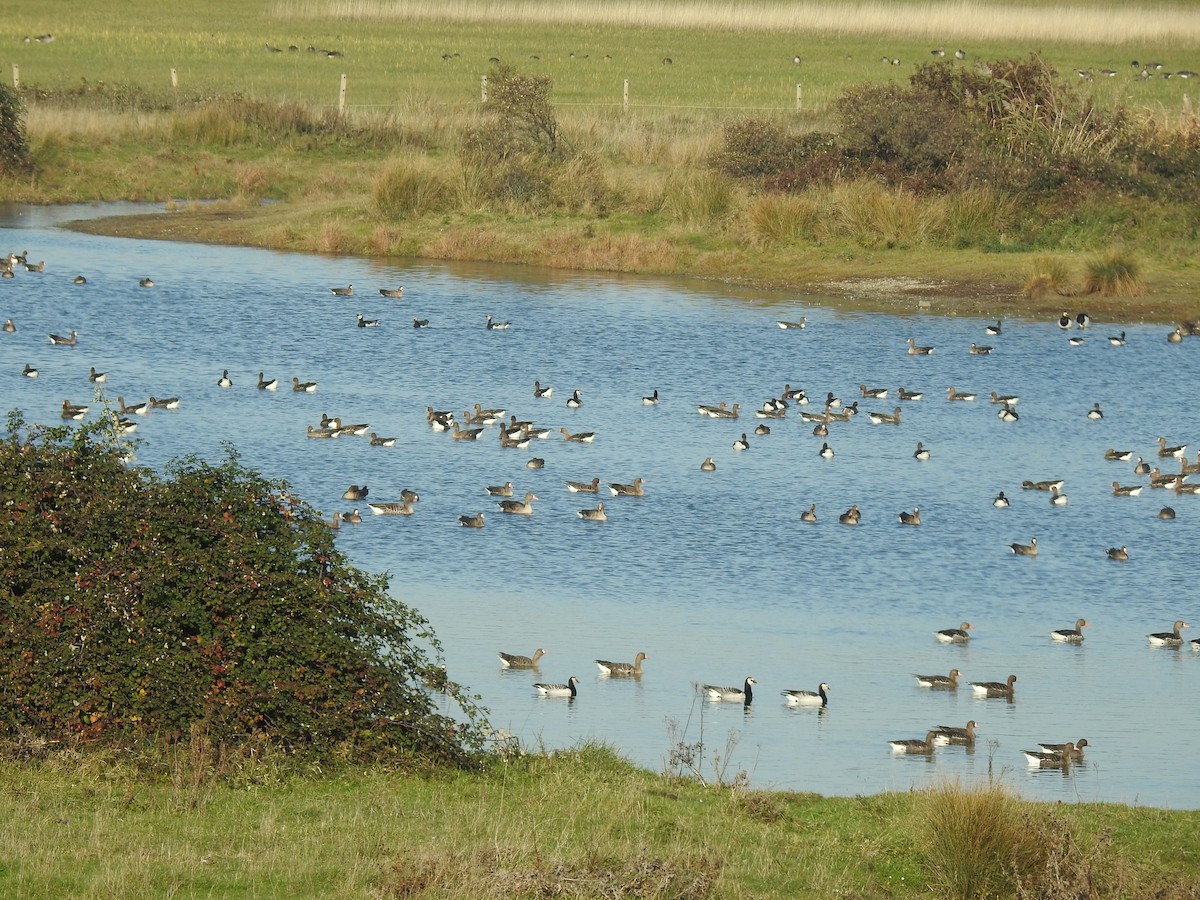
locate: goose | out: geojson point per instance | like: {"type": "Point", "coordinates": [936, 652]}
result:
{"type": "Point", "coordinates": [795, 325]}
{"type": "Point", "coordinates": [475, 521]}
{"type": "Point", "coordinates": [794, 395]}
{"type": "Point", "coordinates": [1051, 759]}
{"type": "Point", "coordinates": [995, 688]}
{"type": "Point", "coordinates": [265, 384]}
{"type": "Point", "coordinates": [651, 399]}
{"type": "Point", "coordinates": [29, 371]}
{"type": "Point", "coordinates": [518, 507]}
{"type": "Point", "coordinates": [1163, 450]}
{"type": "Point", "coordinates": [1188, 488]}
{"type": "Point", "coordinates": [79, 279]}
{"type": "Point", "coordinates": [921, 453]}
{"type": "Point", "coordinates": [164, 403]}
{"type": "Point", "coordinates": [821, 430]}
{"type": "Point", "coordinates": [584, 487]}
{"type": "Point", "coordinates": [97, 377]}
{"type": "Point", "coordinates": [1166, 513]}
{"type": "Point", "coordinates": [68, 341]}
{"type": "Point", "coordinates": [542, 393]}
{"type": "Point", "coordinates": [1064, 321]}
{"type": "Point", "coordinates": [501, 490]}
{"type": "Point", "coordinates": [992, 330]}
{"type": "Point", "coordinates": [850, 516]}
{"type": "Point", "coordinates": [742, 443]}
{"type": "Point", "coordinates": [1187, 468]}
{"type": "Point", "coordinates": [334, 422]}
{"type": "Point", "coordinates": [980, 350]}
{"type": "Point", "coordinates": [1007, 414]}
{"type": "Point", "coordinates": [536, 462]}
{"type": "Point", "coordinates": [126, 426]}
{"type": "Point", "coordinates": [772, 411]}
{"type": "Point", "coordinates": [441, 423]}
{"type": "Point", "coordinates": [1000, 501]}
{"type": "Point", "coordinates": [9, 327]}
{"type": "Point", "coordinates": [465, 434]}
{"type": "Point", "coordinates": [392, 508]}
{"type": "Point", "coordinates": [323, 432]}
{"type": "Point", "coordinates": [628, 490]}
{"type": "Point", "coordinates": [1120, 490]}
{"type": "Point", "coordinates": [303, 387]}
{"type": "Point", "coordinates": [878, 418]}
{"type": "Point", "coordinates": [708, 465]}
{"type": "Point", "coordinates": [1005, 399]}
{"type": "Point", "coordinates": [1042, 485]}
{"type": "Point", "coordinates": [1029, 549]}
{"type": "Point", "coordinates": [1083, 320]}
{"type": "Point", "coordinates": [941, 682]}
{"type": "Point", "coordinates": [744, 694]}
{"type": "Point", "coordinates": [1118, 341]}
{"type": "Point", "coordinates": [820, 418]}
{"type": "Point", "coordinates": [346, 291]}
{"type": "Point", "coordinates": [1141, 467]}
{"type": "Point", "coordinates": [1119, 455]}
{"type": "Point", "coordinates": [914, 350]}
{"type": "Point", "coordinates": [1074, 341]}
{"type": "Point", "coordinates": [420, 323]}
{"type": "Point", "coordinates": [1056, 498]}
{"type": "Point", "coordinates": [581, 437]}
{"type": "Point", "coordinates": [706, 409]}
{"type": "Point", "coordinates": [354, 492]}
{"type": "Point", "coordinates": [568, 690]}
{"type": "Point", "coordinates": [826, 452]}
{"type": "Point", "coordinates": [910, 395]}
{"type": "Point", "coordinates": [394, 293]}
{"type": "Point", "coordinates": [146, 283]}
{"type": "Point", "coordinates": [1176, 336]}
{"type": "Point", "coordinates": [873, 393]}
{"type": "Point", "coordinates": [950, 734]}
{"type": "Point", "coordinates": [819, 697]}
{"type": "Point", "coordinates": [761, 430]}
{"type": "Point", "coordinates": [914, 746]}
{"type": "Point", "coordinates": [722, 413]}
{"type": "Point", "coordinates": [367, 323]}
{"type": "Point", "coordinates": [954, 635]}
{"type": "Point", "coordinates": [73, 411]}
{"type": "Point", "coordinates": [810, 514]}
{"type": "Point", "coordinates": [952, 394]}
{"type": "Point", "coordinates": [377, 441]}
{"type": "Point", "coordinates": [137, 409]}
{"type": "Point", "coordinates": [575, 400]}
{"type": "Point", "coordinates": [1095, 412]}
{"type": "Point", "coordinates": [514, 661]}
{"type": "Point", "coordinates": [1076, 749]}
{"type": "Point", "coordinates": [607, 667]}
{"type": "Point", "coordinates": [1168, 638]}
{"type": "Point", "coordinates": [1120, 554]}
{"type": "Point", "coordinates": [832, 402]}
{"type": "Point", "coordinates": [911, 518]}
{"type": "Point", "coordinates": [594, 515]}
{"type": "Point", "coordinates": [1159, 480]}
{"type": "Point", "coordinates": [1070, 635]}
{"type": "Point", "coordinates": [353, 517]}
{"type": "Point", "coordinates": [494, 325]}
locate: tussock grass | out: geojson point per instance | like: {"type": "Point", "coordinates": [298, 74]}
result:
{"type": "Point", "coordinates": [697, 199]}
{"type": "Point", "coordinates": [1046, 276]}
{"type": "Point", "coordinates": [1114, 274]}
{"type": "Point", "coordinates": [411, 187]}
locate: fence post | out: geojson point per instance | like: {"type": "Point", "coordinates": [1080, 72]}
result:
{"type": "Point", "coordinates": [625, 101]}
{"type": "Point", "coordinates": [799, 97]}
{"type": "Point", "coordinates": [16, 76]}
{"type": "Point", "coordinates": [342, 95]}
{"type": "Point", "coordinates": [483, 89]}
{"type": "Point", "coordinates": [174, 78]}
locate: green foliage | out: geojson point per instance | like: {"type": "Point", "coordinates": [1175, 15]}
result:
{"type": "Point", "coordinates": [522, 103]}
{"type": "Point", "coordinates": [14, 148]}
{"type": "Point", "coordinates": [141, 609]}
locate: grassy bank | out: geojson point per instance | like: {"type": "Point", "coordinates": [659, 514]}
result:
{"type": "Point", "coordinates": [578, 824]}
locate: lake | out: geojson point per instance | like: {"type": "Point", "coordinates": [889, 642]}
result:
{"type": "Point", "coordinates": [712, 574]}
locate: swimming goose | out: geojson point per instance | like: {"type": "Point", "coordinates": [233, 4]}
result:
{"type": "Point", "coordinates": [941, 682]}
{"type": "Point", "coordinates": [850, 516]}
{"type": "Point", "coordinates": [819, 697]}
{"type": "Point", "coordinates": [995, 688]}
{"type": "Point", "coordinates": [465, 434]}
{"type": "Point", "coordinates": [518, 507]}
{"type": "Point", "coordinates": [1051, 759]}
{"type": "Point", "coordinates": [873, 393]}
{"type": "Point", "coordinates": [395, 293]}
{"type": "Point", "coordinates": [794, 394]}
{"type": "Point", "coordinates": [323, 432]}
{"type": "Point", "coordinates": [1141, 467]}
{"type": "Point", "coordinates": [594, 515]}
{"type": "Point", "coordinates": [137, 409]}
{"type": "Point", "coordinates": [1029, 549]}
{"type": "Point", "coordinates": [265, 384]}
{"type": "Point", "coordinates": [163, 403]}
{"type": "Point", "coordinates": [1095, 412]}
{"type": "Point", "coordinates": [1168, 638]}
{"type": "Point", "coordinates": [542, 392]}
{"type": "Point", "coordinates": [771, 412]}
{"type": "Point", "coordinates": [346, 291]}
{"type": "Point", "coordinates": [705, 409]}
{"type": "Point", "coordinates": [950, 734]}
{"type": "Point", "coordinates": [1083, 320]}
{"type": "Point", "coordinates": [29, 371]}
{"type": "Point", "coordinates": [367, 323]}
{"type": "Point", "coordinates": [1118, 341]}
{"type": "Point", "coordinates": [1042, 485]}
{"type": "Point", "coordinates": [536, 462]}
{"type": "Point", "coordinates": [634, 668]}
{"type": "Point", "coordinates": [514, 661]}
{"type": "Point", "coordinates": [628, 490]}
{"type": "Point", "coordinates": [502, 490]}
{"type": "Point", "coordinates": [1007, 414]}
{"type": "Point", "coordinates": [914, 746]}
{"type": "Point", "coordinates": [420, 323]}
{"type": "Point", "coordinates": [68, 341]}
{"type": "Point", "coordinates": [354, 492]}
{"type": "Point", "coordinates": [761, 430]}
{"type": "Point", "coordinates": [575, 400]}
{"type": "Point", "coordinates": [952, 394]}
{"type": "Point", "coordinates": [722, 413]}
{"type": "Point", "coordinates": [1005, 399]}
{"type": "Point", "coordinates": [1056, 498]}
{"type": "Point", "coordinates": [708, 465]}
{"type": "Point", "coordinates": [1120, 554]}
{"type": "Point", "coordinates": [879, 418]}
{"type": "Point", "coordinates": [1182, 487]}
{"type": "Point", "coordinates": [1176, 336]}
{"type": "Point", "coordinates": [1163, 449]}
{"type": "Point", "coordinates": [1187, 468]}
{"type": "Point", "coordinates": [1119, 455]}
{"type": "Point", "coordinates": [1166, 513]}
{"type": "Point", "coordinates": [377, 441]}
{"type": "Point", "coordinates": [568, 690]}
{"type": "Point", "coordinates": [826, 452]}
{"type": "Point", "coordinates": [911, 395]}
{"type": "Point", "coordinates": [652, 399]}
{"type": "Point", "coordinates": [303, 387]}
{"type": "Point", "coordinates": [742, 443]}
{"type": "Point", "coordinates": [1000, 502]}
{"type": "Point", "coordinates": [97, 377]}
{"type": "Point", "coordinates": [9, 327]}
{"type": "Point", "coordinates": [1075, 341]}
{"type": "Point", "coordinates": [980, 350]}
{"type": "Point", "coordinates": [796, 325]}
{"type": "Point", "coordinates": [744, 694]}
{"type": "Point", "coordinates": [832, 402]}
{"type": "Point", "coordinates": [921, 453]}
{"type": "Point", "coordinates": [954, 635]}
{"type": "Point", "coordinates": [475, 521]}
{"type": "Point", "coordinates": [911, 518]}
{"type": "Point", "coordinates": [1070, 635]}
{"type": "Point", "coordinates": [494, 325]}
{"type": "Point", "coordinates": [79, 279]}
{"type": "Point", "coordinates": [392, 508]}
{"type": "Point", "coordinates": [146, 283]}
{"type": "Point", "coordinates": [914, 350]}
{"type": "Point", "coordinates": [584, 487]}
{"type": "Point", "coordinates": [1064, 321]}
{"type": "Point", "coordinates": [353, 517]}
{"type": "Point", "coordinates": [821, 430]}
{"type": "Point", "coordinates": [992, 330]}
{"type": "Point", "coordinates": [334, 422]}
{"type": "Point", "coordinates": [1075, 749]}
{"type": "Point", "coordinates": [581, 437]}
{"type": "Point", "coordinates": [126, 426]}
{"type": "Point", "coordinates": [73, 411]}
{"type": "Point", "coordinates": [1161, 480]}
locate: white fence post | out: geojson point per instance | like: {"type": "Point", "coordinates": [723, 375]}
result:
{"type": "Point", "coordinates": [174, 79]}
{"type": "Point", "coordinates": [625, 100]}
{"type": "Point", "coordinates": [16, 76]}
{"type": "Point", "coordinates": [483, 89]}
{"type": "Point", "coordinates": [799, 97]}
{"type": "Point", "coordinates": [342, 95]}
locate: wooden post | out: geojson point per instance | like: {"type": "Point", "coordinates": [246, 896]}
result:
{"type": "Point", "coordinates": [342, 96]}
{"type": "Point", "coordinates": [799, 97]}
{"type": "Point", "coordinates": [174, 78]}
{"type": "Point", "coordinates": [483, 89]}
{"type": "Point", "coordinates": [16, 76]}
{"type": "Point", "coordinates": [625, 101]}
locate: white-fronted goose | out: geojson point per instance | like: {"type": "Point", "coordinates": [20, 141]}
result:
{"type": "Point", "coordinates": [1168, 638]}
{"type": "Point", "coordinates": [163, 402]}
{"type": "Point", "coordinates": [1120, 554]}
{"type": "Point", "coordinates": [559, 690]}
{"type": "Point", "coordinates": [392, 508]}
{"type": "Point", "coordinates": [494, 325]}
{"type": "Point", "coordinates": [475, 521]}
{"type": "Point", "coordinates": [265, 384]}
{"type": "Point", "coordinates": [536, 462]}
{"type": "Point", "coordinates": [135, 409]}
{"type": "Point", "coordinates": [810, 514]}
{"type": "Point", "coordinates": [1029, 549]}
{"type": "Point", "coordinates": [651, 399]}
{"type": "Point", "coordinates": [465, 434]}
{"type": "Point", "coordinates": [584, 487]}
{"type": "Point", "coordinates": [367, 323]}
{"type": "Point", "coordinates": [542, 393]}
{"type": "Point", "coordinates": [952, 394]}
{"type": "Point", "coordinates": [314, 432]}
{"type": "Point", "coordinates": [705, 408]}
{"type": "Point", "coordinates": [761, 430]}
{"type": "Point", "coordinates": [722, 413]}
{"type": "Point", "coordinates": [607, 667]}
{"type": "Point", "coordinates": [515, 661]}
{"type": "Point", "coordinates": [354, 492]}
{"type": "Point", "coordinates": [29, 371]}
{"type": "Point", "coordinates": [850, 516]}
{"type": "Point", "coordinates": [708, 465]}
{"type": "Point", "coordinates": [353, 517]}
{"type": "Point", "coordinates": [303, 387]}
{"type": "Point", "coordinates": [873, 393]}
{"type": "Point", "coordinates": [1119, 455]}
{"type": "Point", "coordinates": [1005, 399]}
{"type": "Point", "coordinates": [1141, 467]}
{"type": "Point", "coordinates": [594, 515]}
{"type": "Point", "coordinates": [1095, 412]}
{"type": "Point", "coordinates": [744, 694]}
{"type": "Point", "coordinates": [921, 453]}
{"type": "Point", "coordinates": [346, 291]}
{"type": "Point", "coordinates": [995, 688]}
{"type": "Point", "coordinates": [394, 293]}
{"type": "Point", "coordinates": [73, 411]}
{"type": "Point", "coordinates": [879, 418]}
{"type": "Point", "coordinates": [581, 437]}
{"type": "Point", "coordinates": [377, 441]}
{"type": "Point", "coordinates": [501, 490]}
{"type": "Point", "coordinates": [817, 698]}
{"type": "Point", "coordinates": [628, 490]}
{"type": "Point", "coordinates": [954, 635]}
{"type": "Point", "coordinates": [1075, 749]}
{"type": "Point", "coordinates": [914, 350]}
{"type": "Point", "coordinates": [1070, 635]}
{"type": "Point", "coordinates": [951, 734]}
{"type": "Point", "coordinates": [9, 327]}
{"type": "Point", "coordinates": [820, 430]}
{"type": "Point", "coordinates": [911, 745]}
{"type": "Point", "coordinates": [1057, 498]}
{"type": "Point", "coordinates": [1163, 449]}
{"type": "Point", "coordinates": [518, 507]}
{"type": "Point", "coordinates": [911, 518]}
{"type": "Point", "coordinates": [1046, 485]}
{"type": "Point", "coordinates": [910, 395]}
{"type": "Point", "coordinates": [1058, 759]}
{"type": "Point", "coordinates": [980, 350]}
{"type": "Point", "coordinates": [67, 341]}
{"type": "Point", "coordinates": [940, 682]}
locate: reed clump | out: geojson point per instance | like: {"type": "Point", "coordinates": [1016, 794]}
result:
{"type": "Point", "coordinates": [1047, 275]}
{"type": "Point", "coordinates": [1114, 274]}
{"type": "Point", "coordinates": [411, 187]}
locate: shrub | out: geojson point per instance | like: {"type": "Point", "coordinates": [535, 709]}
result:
{"type": "Point", "coordinates": [752, 147]}
{"type": "Point", "coordinates": [142, 608]}
{"type": "Point", "coordinates": [522, 102]}
{"type": "Point", "coordinates": [14, 147]}
{"type": "Point", "coordinates": [1115, 274]}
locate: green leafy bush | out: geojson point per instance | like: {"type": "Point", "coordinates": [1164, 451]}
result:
{"type": "Point", "coordinates": [14, 148]}
{"type": "Point", "coordinates": [140, 609]}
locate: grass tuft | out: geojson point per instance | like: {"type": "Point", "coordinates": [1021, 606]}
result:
{"type": "Point", "coordinates": [1046, 276]}
{"type": "Point", "coordinates": [1115, 274]}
